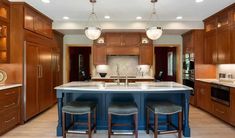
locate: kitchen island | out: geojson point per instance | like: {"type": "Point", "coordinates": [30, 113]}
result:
{"type": "Point", "coordinates": [140, 92]}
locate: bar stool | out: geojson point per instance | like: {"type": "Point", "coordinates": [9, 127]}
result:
{"type": "Point", "coordinates": [123, 109]}
{"type": "Point", "coordinates": [164, 108]}
{"type": "Point", "coordinates": [79, 108]}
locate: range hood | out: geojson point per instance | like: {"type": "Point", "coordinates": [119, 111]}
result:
{"type": "Point", "coordinates": [123, 51]}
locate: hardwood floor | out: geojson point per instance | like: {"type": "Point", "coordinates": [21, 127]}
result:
{"type": "Point", "coordinates": [202, 125]}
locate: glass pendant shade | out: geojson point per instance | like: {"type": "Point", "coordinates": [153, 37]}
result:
{"type": "Point", "coordinates": [154, 33]}
{"type": "Point", "coordinates": [93, 33]}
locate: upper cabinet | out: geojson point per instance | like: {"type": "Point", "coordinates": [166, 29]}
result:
{"type": "Point", "coordinates": [123, 44]}
{"type": "Point", "coordinates": [218, 37]}
{"type": "Point", "coordinates": [4, 31]}
{"type": "Point", "coordinates": [37, 22]}
{"type": "Point", "coordinates": [123, 39]}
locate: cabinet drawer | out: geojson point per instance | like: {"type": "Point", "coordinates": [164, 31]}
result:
{"type": "Point", "coordinates": [221, 111]}
{"type": "Point", "coordinates": [9, 119]}
{"type": "Point", "coordinates": [8, 99]}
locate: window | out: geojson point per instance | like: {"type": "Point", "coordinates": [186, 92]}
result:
{"type": "Point", "coordinates": [170, 63]}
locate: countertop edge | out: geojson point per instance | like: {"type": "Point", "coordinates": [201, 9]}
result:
{"type": "Point", "coordinates": [215, 81]}
{"type": "Point", "coordinates": [9, 86]}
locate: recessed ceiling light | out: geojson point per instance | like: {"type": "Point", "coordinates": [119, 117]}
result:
{"type": "Point", "coordinates": [107, 17]}
{"type": "Point", "coordinates": [179, 17]}
{"type": "Point", "coordinates": [198, 1]}
{"type": "Point", "coordinates": [138, 18]}
{"type": "Point", "coordinates": [46, 1]}
{"type": "Point", "coordinates": [66, 18]}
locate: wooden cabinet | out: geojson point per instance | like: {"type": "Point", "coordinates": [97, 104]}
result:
{"type": "Point", "coordinates": [4, 31]}
{"type": "Point", "coordinates": [38, 79]}
{"type": "Point", "coordinates": [232, 51]}
{"type": "Point", "coordinates": [114, 39]}
{"type": "Point", "coordinates": [123, 39]}
{"type": "Point", "coordinates": [218, 37]}
{"type": "Point", "coordinates": [146, 55]}
{"type": "Point", "coordinates": [37, 23]}
{"type": "Point", "coordinates": [210, 48]}
{"type": "Point", "coordinates": [221, 111]}
{"type": "Point", "coordinates": [99, 55]}
{"type": "Point", "coordinates": [203, 93]}
{"type": "Point", "coordinates": [131, 39]}
{"type": "Point", "coordinates": [232, 106]}
{"type": "Point", "coordinates": [10, 105]}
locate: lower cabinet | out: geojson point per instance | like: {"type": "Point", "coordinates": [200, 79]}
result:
{"type": "Point", "coordinates": [224, 112]}
{"type": "Point", "coordinates": [203, 93]}
{"type": "Point", "coordinates": [10, 114]}
{"type": "Point", "coordinates": [232, 106]}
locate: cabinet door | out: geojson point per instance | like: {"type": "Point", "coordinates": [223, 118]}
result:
{"type": "Point", "coordinates": [99, 55]}
{"type": "Point", "coordinates": [203, 93]}
{"type": "Point", "coordinates": [114, 39]}
{"type": "Point", "coordinates": [4, 11]}
{"type": "Point", "coordinates": [29, 19]}
{"type": "Point", "coordinates": [232, 43]}
{"type": "Point", "coordinates": [210, 49]}
{"type": "Point", "coordinates": [131, 39]}
{"type": "Point", "coordinates": [38, 25]}
{"type": "Point", "coordinates": [45, 79]}
{"type": "Point", "coordinates": [223, 45]}
{"type": "Point", "coordinates": [57, 72]}
{"type": "Point", "coordinates": [188, 42]}
{"type": "Point", "coordinates": [146, 55]}
{"type": "Point", "coordinates": [232, 107]}
{"type": "Point", "coordinates": [32, 74]}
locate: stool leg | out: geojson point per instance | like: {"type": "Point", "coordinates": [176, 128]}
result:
{"type": "Point", "coordinates": [168, 121]}
{"type": "Point", "coordinates": [89, 125]}
{"type": "Point", "coordinates": [109, 125]}
{"type": "Point", "coordinates": [136, 125]}
{"type": "Point", "coordinates": [147, 121]}
{"type": "Point", "coordinates": [180, 124]}
{"type": "Point", "coordinates": [64, 124]}
{"type": "Point", "coordinates": [95, 120]}
{"type": "Point", "coordinates": [72, 121]}
{"type": "Point", "coordinates": [155, 125]}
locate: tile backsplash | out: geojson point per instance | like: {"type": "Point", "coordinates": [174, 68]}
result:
{"type": "Point", "coordinates": [128, 65]}
{"type": "Point", "coordinates": [226, 68]}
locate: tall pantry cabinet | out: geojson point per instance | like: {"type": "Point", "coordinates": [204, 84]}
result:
{"type": "Point", "coordinates": [33, 36]}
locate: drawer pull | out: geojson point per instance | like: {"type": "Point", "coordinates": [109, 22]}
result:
{"type": "Point", "coordinates": [13, 118]}
{"type": "Point", "coordinates": [10, 93]}
{"type": "Point", "coordinates": [6, 106]}
{"type": "Point", "coordinates": [217, 110]}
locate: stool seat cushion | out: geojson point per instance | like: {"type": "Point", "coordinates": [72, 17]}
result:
{"type": "Point", "coordinates": [79, 107]}
{"type": "Point", "coordinates": [123, 108]}
{"type": "Point", "coordinates": [164, 107]}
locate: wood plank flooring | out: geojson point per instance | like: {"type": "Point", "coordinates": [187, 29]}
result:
{"type": "Point", "coordinates": [202, 125]}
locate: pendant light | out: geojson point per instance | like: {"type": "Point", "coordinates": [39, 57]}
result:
{"type": "Point", "coordinates": [153, 32]}
{"type": "Point", "coordinates": [93, 32]}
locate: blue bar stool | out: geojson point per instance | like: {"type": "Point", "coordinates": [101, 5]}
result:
{"type": "Point", "coordinates": [122, 109]}
{"type": "Point", "coordinates": [79, 108]}
{"type": "Point", "coordinates": [163, 108]}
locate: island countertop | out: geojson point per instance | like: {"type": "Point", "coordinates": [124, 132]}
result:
{"type": "Point", "coordinates": [138, 86]}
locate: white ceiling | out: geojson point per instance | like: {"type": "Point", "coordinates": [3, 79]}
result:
{"type": "Point", "coordinates": [128, 10]}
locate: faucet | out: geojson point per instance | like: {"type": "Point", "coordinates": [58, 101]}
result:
{"type": "Point", "coordinates": [118, 75]}
{"type": "Point", "coordinates": [126, 81]}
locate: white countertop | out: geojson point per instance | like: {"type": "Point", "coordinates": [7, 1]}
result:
{"type": "Point", "coordinates": [9, 86]}
{"type": "Point", "coordinates": [123, 77]}
{"type": "Point", "coordinates": [216, 81]}
{"type": "Point", "coordinates": [138, 86]}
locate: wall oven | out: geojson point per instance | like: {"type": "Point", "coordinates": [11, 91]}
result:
{"type": "Point", "coordinates": [220, 94]}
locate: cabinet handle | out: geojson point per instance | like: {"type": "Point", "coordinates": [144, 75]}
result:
{"type": "Point", "coordinates": [58, 68]}
{"type": "Point", "coordinates": [217, 110]}
{"type": "Point", "coordinates": [6, 106]}
{"type": "Point", "coordinates": [41, 71]}
{"type": "Point", "coordinates": [10, 93]}
{"type": "Point", "coordinates": [38, 71]}
{"type": "Point", "coordinates": [13, 118]}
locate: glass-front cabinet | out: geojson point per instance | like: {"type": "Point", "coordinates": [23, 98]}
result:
{"type": "Point", "coordinates": [4, 31]}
